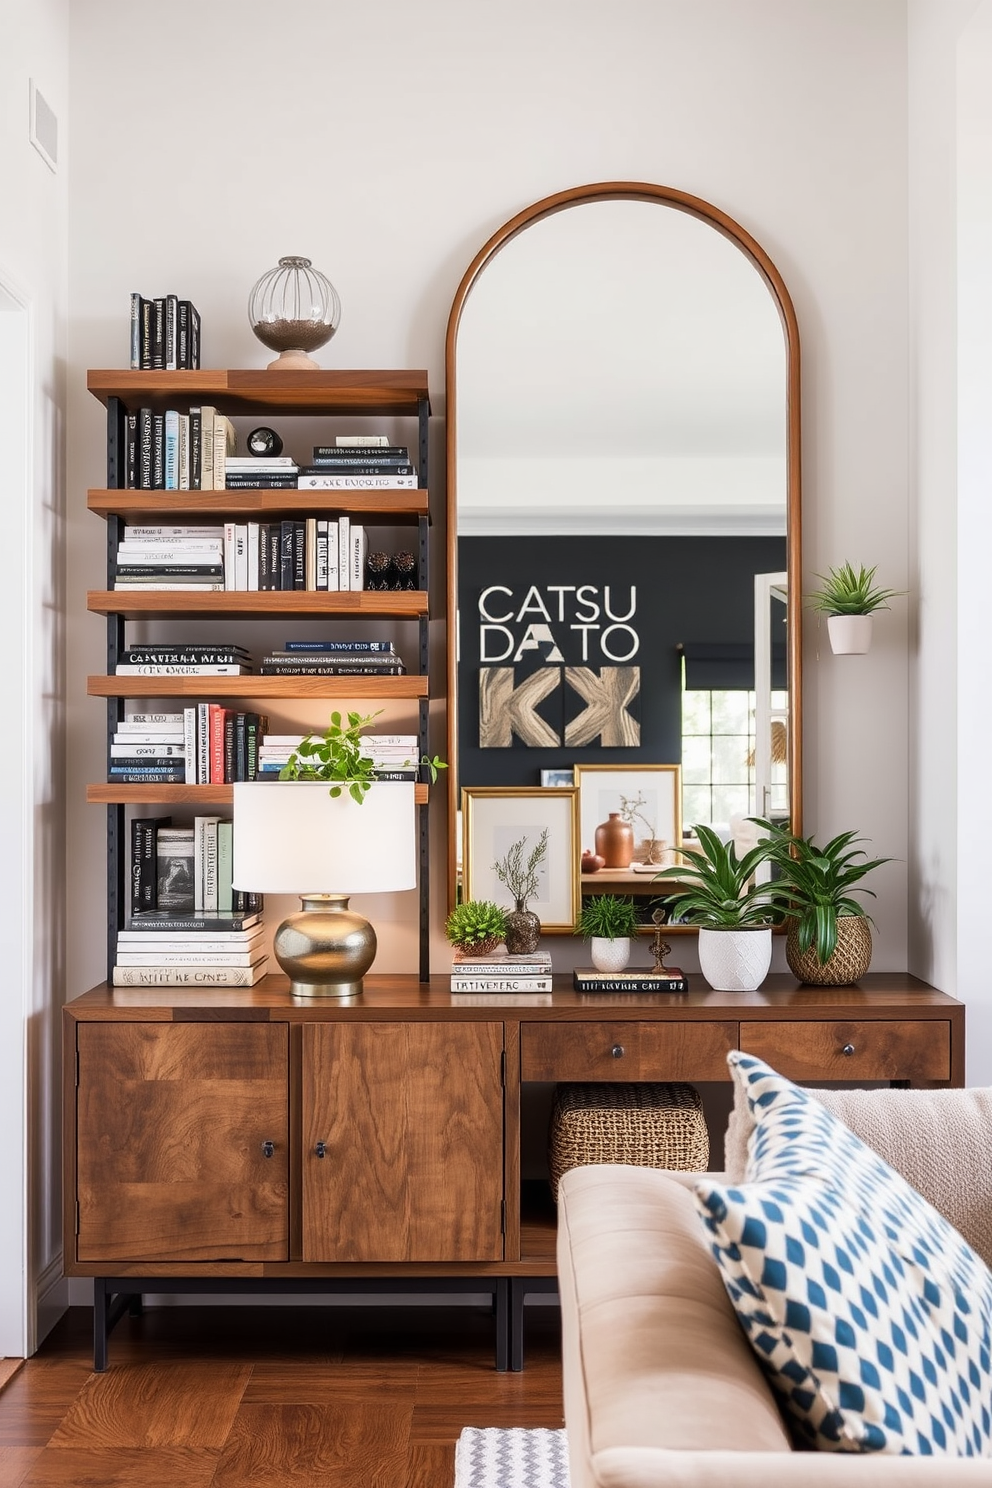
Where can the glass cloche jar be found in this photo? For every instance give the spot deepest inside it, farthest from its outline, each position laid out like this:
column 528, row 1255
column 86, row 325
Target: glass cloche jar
column 293, row 309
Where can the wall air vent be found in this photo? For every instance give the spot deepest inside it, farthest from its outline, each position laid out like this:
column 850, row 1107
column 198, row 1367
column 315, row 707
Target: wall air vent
column 43, row 127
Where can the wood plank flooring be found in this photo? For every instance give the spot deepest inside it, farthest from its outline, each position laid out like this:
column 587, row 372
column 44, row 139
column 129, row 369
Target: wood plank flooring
column 254, row 1397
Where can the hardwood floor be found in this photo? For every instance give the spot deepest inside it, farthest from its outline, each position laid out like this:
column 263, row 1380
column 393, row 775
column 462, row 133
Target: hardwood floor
column 226, row 1397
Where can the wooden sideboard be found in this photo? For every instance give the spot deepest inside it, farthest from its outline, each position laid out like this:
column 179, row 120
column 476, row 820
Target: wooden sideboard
column 231, row 1135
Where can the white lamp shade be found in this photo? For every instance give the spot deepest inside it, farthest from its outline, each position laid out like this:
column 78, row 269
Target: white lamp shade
column 294, row 837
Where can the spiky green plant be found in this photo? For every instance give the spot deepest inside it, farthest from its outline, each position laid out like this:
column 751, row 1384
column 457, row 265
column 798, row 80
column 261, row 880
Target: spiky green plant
column 813, row 884
column 336, row 756
column 607, row 917
column 477, row 925
column 844, row 592
column 714, row 888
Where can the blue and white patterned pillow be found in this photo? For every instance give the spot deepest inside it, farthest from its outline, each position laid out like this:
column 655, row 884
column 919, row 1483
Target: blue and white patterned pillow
column 869, row 1312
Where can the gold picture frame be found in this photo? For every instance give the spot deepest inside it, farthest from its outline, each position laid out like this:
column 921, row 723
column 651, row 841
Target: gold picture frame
column 494, row 817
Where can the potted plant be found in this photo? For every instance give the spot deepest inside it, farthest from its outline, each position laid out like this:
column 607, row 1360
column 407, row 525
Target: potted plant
column 519, row 874
column 608, row 921
column 849, row 598
column 336, row 755
column 714, row 889
column 476, row 927
column 829, row 933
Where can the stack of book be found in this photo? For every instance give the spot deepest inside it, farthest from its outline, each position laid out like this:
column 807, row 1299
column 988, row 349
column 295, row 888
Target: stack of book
column 170, row 558
column 165, row 334
column 632, row 979
column 260, row 472
column 347, row 466
column 148, row 749
column 499, row 975
column 175, row 451
column 184, row 870
column 333, row 659
column 394, row 755
column 177, row 948
column 318, row 553
column 186, row 659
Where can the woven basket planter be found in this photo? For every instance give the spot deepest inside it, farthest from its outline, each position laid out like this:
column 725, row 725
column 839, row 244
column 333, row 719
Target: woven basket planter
column 848, row 963
column 658, row 1125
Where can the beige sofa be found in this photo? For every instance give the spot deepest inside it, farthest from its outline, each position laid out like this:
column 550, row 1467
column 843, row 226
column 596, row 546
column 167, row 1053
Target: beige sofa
column 661, row 1386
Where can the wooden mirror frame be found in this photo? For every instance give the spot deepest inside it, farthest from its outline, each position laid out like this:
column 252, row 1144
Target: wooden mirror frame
column 705, row 212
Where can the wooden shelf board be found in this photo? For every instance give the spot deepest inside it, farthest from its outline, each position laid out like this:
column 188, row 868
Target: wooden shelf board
column 124, row 795
column 388, row 505
column 134, row 604
column 362, row 393
column 252, row 686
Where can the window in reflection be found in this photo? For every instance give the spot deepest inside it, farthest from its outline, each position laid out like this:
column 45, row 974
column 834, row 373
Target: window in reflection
column 718, row 776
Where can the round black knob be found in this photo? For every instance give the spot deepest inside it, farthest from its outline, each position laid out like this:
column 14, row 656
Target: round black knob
column 848, row 1049
column 268, row 1149
column 320, row 1149
column 617, row 1051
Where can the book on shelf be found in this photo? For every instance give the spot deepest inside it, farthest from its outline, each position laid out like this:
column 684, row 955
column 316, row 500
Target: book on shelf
column 330, row 669
column 356, row 482
column 196, row 586
column 164, row 334
column 137, row 752
column 159, row 956
column 205, row 863
column 332, row 658
column 150, row 735
column 182, row 920
column 182, row 669
column 510, row 999
column 538, row 963
column 361, row 453
column 195, row 940
column 497, row 985
column 147, row 720
column 225, row 870
column 359, row 548
column 358, row 441
column 204, row 552
column 129, row 775
column 273, row 481
column 171, row 532
column 144, row 861
column 174, row 870
column 189, row 976
column 352, row 466
column 184, row 655
column 332, row 646
column 588, row 979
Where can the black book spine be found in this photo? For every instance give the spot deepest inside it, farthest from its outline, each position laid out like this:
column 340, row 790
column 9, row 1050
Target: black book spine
column 170, row 570
column 360, row 452
column 299, row 555
column 147, row 327
column 195, row 449
column 240, row 747
column 286, row 555
column 266, row 482
column 342, row 467
column 158, row 334
column 194, row 337
column 629, row 984
column 146, row 438
column 158, row 451
column 135, row 357
column 264, row 557
column 171, row 332
column 182, row 336
column 256, row 725
column 275, row 539
column 132, row 456
column 229, row 747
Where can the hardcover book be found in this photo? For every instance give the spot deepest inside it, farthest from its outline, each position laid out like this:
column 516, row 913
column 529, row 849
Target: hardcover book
column 588, row 979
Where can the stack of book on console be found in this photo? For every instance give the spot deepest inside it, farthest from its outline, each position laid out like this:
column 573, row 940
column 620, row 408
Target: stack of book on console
column 501, row 975
column 333, row 659
column 637, row 979
column 346, row 466
column 170, row 558
column 176, row 948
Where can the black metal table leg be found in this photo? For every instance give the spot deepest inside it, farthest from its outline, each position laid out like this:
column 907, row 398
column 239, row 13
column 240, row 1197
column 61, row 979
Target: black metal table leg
column 502, row 1310
column 101, row 1332
column 518, row 1285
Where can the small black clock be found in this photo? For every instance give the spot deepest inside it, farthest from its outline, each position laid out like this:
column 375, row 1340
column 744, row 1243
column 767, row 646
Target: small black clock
column 264, row 441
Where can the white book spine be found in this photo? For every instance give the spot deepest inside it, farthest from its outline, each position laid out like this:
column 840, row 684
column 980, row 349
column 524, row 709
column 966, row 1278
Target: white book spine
column 159, row 957
column 173, row 533
column 171, row 450
column 333, row 549
column 498, row 985
column 210, row 865
column 320, row 582
column 241, row 557
column 133, row 750
column 189, row 745
column 188, row 976
column 357, row 482
column 207, row 448
column 184, row 452
column 359, row 546
column 252, row 557
column 344, row 548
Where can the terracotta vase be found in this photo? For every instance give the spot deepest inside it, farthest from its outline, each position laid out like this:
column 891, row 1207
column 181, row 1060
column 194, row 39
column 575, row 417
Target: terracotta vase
column 615, row 841
column 523, row 930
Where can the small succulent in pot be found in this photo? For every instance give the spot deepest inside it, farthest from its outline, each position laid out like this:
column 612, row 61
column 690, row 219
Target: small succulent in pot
column 478, row 926
column 607, row 917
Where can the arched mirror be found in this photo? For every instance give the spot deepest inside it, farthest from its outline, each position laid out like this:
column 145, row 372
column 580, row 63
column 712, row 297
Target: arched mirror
column 624, row 521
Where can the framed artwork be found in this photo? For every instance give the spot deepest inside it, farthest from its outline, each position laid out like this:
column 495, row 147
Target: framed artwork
column 495, row 818
column 558, row 777
column 648, row 796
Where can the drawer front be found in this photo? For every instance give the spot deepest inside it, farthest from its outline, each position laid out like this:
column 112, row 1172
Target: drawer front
column 852, row 1051
column 626, row 1051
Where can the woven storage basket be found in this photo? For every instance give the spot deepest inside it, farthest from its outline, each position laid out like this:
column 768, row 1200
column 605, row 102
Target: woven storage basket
column 848, row 963
column 658, row 1125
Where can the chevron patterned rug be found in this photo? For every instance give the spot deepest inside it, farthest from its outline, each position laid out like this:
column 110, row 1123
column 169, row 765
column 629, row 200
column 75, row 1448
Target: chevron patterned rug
column 511, row 1457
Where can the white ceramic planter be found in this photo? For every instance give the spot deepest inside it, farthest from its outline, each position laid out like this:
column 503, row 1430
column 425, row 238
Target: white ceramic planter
column 609, row 955
column 850, row 635
column 735, row 960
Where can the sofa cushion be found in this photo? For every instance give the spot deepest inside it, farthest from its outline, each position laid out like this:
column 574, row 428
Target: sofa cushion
column 939, row 1140
column 653, row 1357
column 871, row 1314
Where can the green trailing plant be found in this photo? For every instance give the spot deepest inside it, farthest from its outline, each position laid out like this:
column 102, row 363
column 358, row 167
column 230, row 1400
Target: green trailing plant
column 336, row 756
column 846, row 592
column 814, row 884
column 519, row 874
column 714, row 888
column 607, row 917
column 477, row 925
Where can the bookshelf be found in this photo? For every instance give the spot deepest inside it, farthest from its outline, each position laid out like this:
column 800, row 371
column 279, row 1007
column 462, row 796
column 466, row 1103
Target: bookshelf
column 359, row 395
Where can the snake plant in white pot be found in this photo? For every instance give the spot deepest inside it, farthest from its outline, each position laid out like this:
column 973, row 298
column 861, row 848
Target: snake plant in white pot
column 715, row 890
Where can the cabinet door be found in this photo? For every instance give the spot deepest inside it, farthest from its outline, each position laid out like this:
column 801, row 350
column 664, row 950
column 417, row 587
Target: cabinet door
column 410, row 1116
column 173, row 1122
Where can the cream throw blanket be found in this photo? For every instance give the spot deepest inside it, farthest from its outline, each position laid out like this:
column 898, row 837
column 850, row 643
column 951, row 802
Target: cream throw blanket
column 939, row 1140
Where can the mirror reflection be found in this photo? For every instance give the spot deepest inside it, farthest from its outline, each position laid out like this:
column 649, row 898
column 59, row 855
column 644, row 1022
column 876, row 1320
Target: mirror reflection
column 621, row 469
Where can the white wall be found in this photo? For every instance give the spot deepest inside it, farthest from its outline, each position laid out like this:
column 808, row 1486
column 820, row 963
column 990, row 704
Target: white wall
column 33, row 257
column 388, row 141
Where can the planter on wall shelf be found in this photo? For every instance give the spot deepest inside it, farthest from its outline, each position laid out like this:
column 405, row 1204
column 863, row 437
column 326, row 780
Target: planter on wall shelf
column 850, row 635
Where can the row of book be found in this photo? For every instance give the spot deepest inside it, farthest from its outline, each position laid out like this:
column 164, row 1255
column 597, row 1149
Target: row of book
column 179, row 948
column 205, row 744
column 318, row 553
column 185, row 870
column 173, row 451
column 165, row 334
column 393, row 756
column 333, row 468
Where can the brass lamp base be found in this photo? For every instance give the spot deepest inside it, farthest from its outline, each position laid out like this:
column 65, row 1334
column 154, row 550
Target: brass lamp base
column 326, row 949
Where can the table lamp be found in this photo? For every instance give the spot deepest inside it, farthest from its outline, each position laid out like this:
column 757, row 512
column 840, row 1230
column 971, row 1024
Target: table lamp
column 294, row 837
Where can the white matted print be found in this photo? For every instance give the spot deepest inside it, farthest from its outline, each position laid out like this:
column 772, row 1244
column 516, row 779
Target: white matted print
column 649, row 797
column 494, row 818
